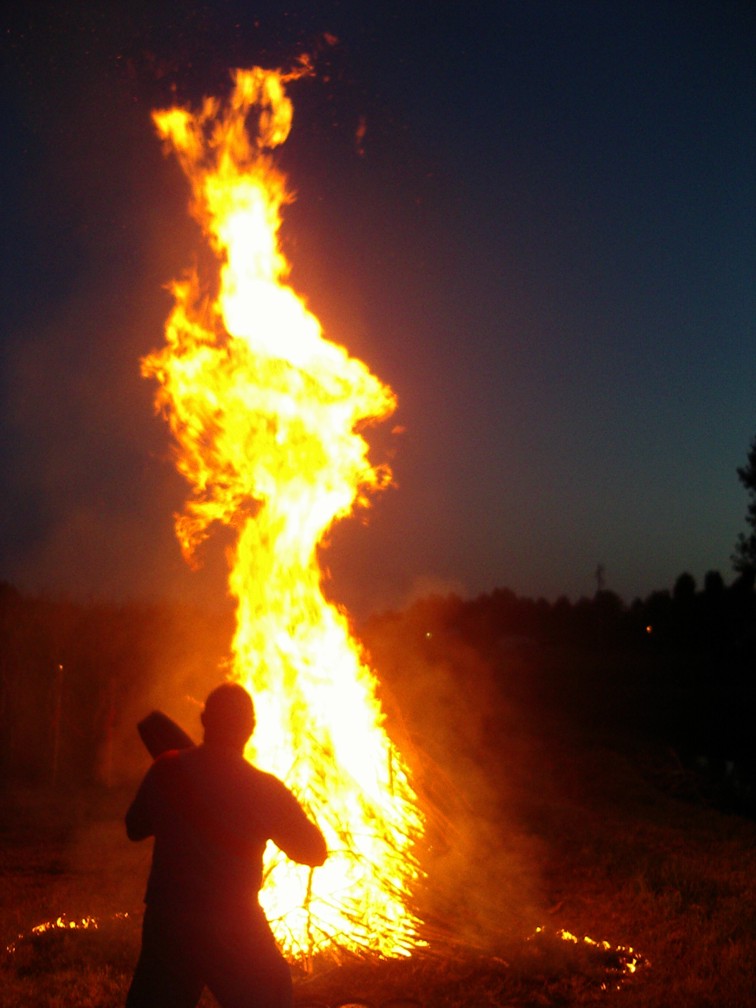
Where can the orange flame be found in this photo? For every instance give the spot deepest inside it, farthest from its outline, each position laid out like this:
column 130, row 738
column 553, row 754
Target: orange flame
column 267, row 414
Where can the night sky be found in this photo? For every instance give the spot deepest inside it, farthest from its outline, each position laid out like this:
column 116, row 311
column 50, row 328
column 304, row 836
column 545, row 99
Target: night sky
column 544, row 242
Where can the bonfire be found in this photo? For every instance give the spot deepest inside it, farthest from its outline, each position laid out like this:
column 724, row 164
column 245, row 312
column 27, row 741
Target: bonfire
column 269, row 420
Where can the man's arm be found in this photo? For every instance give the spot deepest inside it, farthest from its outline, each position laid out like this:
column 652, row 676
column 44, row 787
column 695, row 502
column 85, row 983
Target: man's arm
column 296, row 835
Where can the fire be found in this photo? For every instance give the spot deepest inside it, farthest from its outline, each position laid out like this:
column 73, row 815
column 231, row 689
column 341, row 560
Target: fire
column 59, row 925
column 621, row 961
column 267, row 416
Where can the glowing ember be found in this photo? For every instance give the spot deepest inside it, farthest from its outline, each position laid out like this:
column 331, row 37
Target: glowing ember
column 60, row 924
column 267, row 416
column 623, row 958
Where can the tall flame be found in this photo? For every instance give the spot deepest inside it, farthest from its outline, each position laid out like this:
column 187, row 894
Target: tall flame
column 267, row 414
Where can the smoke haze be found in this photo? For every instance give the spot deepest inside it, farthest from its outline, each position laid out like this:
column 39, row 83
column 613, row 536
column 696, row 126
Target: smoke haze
column 473, row 755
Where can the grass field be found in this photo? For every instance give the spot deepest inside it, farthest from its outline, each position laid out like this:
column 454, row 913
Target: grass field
column 542, row 824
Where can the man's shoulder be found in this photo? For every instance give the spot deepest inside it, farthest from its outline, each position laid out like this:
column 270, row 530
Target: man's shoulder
column 269, row 788
column 262, row 779
column 234, row 767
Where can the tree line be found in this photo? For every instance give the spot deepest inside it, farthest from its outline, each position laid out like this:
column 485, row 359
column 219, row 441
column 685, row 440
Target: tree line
column 673, row 674
column 679, row 665
column 677, row 668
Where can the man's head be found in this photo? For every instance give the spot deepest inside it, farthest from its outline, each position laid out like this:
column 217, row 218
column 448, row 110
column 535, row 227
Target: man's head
column 229, row 716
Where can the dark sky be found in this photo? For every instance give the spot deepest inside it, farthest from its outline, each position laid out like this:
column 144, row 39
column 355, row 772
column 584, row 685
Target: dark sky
column 545, row 246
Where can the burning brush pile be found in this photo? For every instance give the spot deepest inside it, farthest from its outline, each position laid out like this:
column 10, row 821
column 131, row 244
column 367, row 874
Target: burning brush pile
column 268, row 418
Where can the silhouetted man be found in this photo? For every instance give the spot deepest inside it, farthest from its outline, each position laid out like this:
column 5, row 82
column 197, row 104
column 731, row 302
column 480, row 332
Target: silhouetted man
column 211, row 814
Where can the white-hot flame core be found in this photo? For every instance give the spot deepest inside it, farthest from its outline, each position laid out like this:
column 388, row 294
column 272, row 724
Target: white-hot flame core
column 267, row 415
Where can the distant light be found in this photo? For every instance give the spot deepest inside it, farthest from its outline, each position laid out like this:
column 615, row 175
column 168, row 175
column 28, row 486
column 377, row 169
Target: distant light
column 649, row 629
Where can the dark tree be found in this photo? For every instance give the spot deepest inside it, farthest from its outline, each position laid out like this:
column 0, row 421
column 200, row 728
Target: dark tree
column 744, row 557
column 684, row 591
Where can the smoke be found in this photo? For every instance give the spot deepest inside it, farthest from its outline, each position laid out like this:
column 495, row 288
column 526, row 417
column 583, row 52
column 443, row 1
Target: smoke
column 187, row 656
column 471, row 752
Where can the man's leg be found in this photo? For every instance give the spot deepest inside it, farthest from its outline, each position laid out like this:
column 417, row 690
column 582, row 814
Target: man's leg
column 244, row 968
column 254, row 985
column 165, row 974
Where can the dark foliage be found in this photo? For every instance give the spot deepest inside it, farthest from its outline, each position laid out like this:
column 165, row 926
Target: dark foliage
column 675, row 672
column 744, row 557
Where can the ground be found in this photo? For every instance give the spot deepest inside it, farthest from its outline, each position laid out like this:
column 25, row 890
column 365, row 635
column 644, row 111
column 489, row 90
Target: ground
column 579, row 837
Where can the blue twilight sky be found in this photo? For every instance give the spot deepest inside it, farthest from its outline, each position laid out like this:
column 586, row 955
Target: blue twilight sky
column 544, row 243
